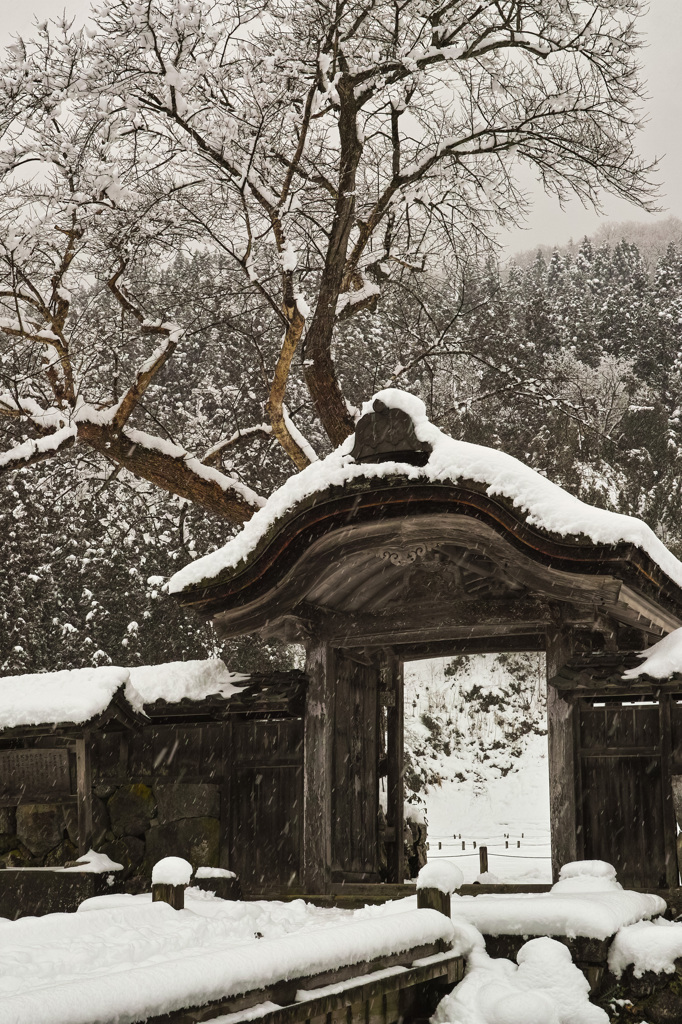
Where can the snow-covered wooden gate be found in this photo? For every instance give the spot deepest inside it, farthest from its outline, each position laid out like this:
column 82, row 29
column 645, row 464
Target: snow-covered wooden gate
column 406, row 544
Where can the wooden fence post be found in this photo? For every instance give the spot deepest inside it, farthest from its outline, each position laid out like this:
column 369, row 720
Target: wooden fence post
column 483, row 859
column 173, row 895
column 434, row 899
column 170, row 878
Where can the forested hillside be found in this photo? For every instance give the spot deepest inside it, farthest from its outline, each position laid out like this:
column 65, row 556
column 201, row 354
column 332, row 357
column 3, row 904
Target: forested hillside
column 470, row 719
column 570, row 361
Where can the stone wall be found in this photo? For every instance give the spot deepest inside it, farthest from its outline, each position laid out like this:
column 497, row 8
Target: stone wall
column 38, row 834
column 135, row 824
column 140, row 824
column 653, row 998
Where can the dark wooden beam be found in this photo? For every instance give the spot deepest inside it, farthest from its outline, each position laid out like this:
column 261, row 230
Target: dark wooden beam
column 391, row 635
column 457, row 619
column 669, row 819
column 84, row 779
column 475, row 645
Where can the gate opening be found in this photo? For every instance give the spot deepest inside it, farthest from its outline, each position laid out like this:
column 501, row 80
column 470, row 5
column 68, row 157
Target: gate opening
column 476, row 762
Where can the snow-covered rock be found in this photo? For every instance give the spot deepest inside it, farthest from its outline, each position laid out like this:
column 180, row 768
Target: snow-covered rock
column 545, row 988
column 587, row 869
column 648, row 946
column 587, row 876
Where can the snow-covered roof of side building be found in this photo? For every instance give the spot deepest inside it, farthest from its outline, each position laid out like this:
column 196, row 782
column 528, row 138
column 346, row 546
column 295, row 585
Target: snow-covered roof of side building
column 75, row 696
column 543, row 504
column 658, row 667
column 660, row 661
column 48, row 698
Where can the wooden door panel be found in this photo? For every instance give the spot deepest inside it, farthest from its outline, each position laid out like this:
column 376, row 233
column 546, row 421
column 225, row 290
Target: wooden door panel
column 267, row 812
column 355, row 770
column 623, row 817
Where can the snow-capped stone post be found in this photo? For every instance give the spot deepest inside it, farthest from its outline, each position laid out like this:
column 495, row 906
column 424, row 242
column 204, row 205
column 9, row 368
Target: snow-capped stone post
column 170, row 878
column 435, row 883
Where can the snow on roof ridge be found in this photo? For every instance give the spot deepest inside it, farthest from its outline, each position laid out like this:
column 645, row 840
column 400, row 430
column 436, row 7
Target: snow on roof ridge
column 545, row 504
column 79, row 694
column 193, row 680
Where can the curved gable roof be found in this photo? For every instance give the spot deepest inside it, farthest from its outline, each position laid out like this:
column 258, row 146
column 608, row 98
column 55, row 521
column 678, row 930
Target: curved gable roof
column 322, row 530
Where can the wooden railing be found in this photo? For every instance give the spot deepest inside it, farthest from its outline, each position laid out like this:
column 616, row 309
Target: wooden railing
column 364, row 991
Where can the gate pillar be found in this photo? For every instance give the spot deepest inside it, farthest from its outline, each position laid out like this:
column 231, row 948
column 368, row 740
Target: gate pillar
column 318, row 747
column 563, row 811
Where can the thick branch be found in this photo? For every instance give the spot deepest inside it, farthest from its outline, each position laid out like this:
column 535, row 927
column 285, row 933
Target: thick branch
column 173, row 470
column 320, row 372
column 275, row 406
column 162, row 463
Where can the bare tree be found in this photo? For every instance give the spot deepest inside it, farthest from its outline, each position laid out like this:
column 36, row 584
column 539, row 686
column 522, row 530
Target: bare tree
column 324, row 147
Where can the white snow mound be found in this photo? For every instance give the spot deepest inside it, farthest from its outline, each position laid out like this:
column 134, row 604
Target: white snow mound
column 440, row 874
column 648, row 946
column 126, row 959
column 207, row 872
column 593, row 912
column 592, row 868
column 662, row 660
column 545, row 988
column 171, row 871
column 95, row 863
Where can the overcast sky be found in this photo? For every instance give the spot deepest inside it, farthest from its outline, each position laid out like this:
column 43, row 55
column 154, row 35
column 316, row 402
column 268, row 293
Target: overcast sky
column 547, row 224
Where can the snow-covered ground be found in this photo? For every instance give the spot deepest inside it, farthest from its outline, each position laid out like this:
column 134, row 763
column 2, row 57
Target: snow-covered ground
column 477, row 741
column 123, row 958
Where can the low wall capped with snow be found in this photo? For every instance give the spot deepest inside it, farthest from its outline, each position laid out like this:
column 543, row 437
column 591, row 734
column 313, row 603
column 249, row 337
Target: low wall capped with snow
column 76, row 696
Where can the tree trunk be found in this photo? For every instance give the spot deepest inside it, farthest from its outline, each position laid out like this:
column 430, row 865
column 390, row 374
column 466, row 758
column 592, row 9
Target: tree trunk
column 320, row 372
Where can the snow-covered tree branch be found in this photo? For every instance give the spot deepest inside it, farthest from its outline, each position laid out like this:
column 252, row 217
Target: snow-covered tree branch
column 326, row 149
